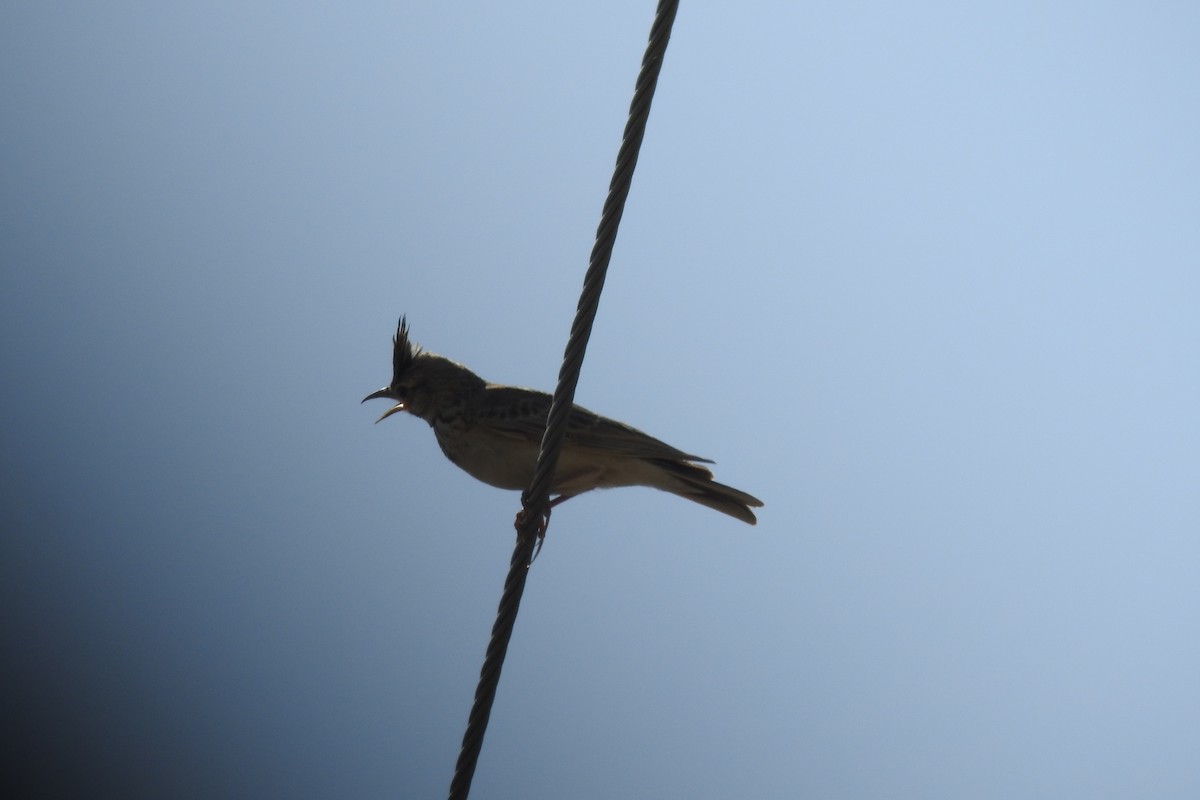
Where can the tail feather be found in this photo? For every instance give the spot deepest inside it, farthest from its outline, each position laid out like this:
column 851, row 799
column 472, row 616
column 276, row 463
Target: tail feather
column 696, row 484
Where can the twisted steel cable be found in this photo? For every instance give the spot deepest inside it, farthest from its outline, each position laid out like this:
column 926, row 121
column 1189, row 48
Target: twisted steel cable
column 536, row 500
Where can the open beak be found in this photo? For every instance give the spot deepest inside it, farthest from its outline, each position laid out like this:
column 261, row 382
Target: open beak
column 385, row 392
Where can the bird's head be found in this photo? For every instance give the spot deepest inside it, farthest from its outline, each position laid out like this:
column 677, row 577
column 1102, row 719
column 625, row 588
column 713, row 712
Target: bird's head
column 421, row 381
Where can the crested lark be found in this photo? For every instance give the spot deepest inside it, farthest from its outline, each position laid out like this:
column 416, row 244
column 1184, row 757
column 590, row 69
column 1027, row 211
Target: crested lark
column 494, row 433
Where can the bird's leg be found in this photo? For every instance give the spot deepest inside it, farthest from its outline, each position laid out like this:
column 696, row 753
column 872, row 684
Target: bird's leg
column 519, row 522
column 562, row 498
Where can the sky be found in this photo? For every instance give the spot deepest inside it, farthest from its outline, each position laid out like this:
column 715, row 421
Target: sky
column 923, row 277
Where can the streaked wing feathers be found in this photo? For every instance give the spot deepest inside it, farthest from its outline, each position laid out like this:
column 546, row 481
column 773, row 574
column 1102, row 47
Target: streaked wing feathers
column 523, row 412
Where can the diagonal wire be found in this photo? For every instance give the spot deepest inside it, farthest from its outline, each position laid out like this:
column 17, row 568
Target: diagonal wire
column 536, row 500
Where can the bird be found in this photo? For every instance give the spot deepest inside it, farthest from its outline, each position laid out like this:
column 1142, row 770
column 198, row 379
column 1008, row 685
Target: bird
column 494, row 433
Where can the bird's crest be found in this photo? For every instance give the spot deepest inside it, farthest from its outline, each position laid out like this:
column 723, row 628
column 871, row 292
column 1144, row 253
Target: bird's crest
column 404, row 352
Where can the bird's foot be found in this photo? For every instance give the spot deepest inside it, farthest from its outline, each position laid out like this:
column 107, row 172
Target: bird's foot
column 540, row 532
column 519, row 522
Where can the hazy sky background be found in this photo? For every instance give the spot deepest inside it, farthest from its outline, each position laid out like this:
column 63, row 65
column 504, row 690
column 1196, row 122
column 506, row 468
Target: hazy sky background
column 923, row 277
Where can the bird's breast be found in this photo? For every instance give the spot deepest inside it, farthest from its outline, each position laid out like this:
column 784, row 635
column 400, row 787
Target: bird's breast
column 496, row 459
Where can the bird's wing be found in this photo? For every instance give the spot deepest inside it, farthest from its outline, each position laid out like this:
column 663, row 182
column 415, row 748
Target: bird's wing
column 523, row 412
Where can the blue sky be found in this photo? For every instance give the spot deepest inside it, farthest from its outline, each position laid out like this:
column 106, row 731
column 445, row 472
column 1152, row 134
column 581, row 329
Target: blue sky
column 924, row 278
